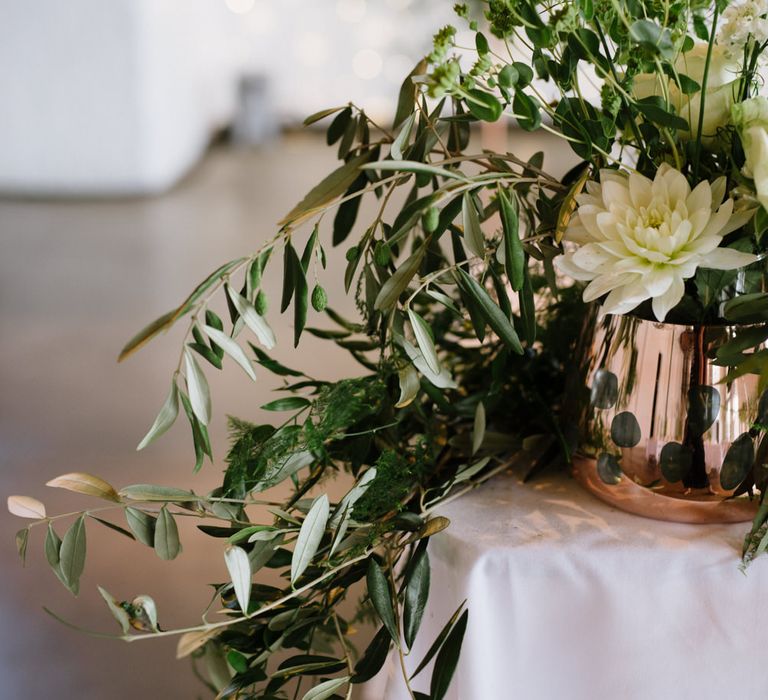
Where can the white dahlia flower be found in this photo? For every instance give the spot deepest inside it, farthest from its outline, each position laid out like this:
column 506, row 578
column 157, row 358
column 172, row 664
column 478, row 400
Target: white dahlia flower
column 639, row 239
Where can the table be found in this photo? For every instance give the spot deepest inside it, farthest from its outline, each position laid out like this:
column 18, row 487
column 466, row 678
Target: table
column 572, row 599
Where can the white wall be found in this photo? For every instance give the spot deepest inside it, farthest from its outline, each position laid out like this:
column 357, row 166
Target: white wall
column 109, row 96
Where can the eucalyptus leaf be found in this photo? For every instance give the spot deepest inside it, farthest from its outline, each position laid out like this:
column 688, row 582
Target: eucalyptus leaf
column 737, row 462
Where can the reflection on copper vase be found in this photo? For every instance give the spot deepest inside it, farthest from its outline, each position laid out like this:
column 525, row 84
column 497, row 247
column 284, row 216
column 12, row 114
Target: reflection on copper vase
column 663, row 435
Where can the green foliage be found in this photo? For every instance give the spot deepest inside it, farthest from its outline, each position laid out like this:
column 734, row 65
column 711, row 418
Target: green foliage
column 463, row 335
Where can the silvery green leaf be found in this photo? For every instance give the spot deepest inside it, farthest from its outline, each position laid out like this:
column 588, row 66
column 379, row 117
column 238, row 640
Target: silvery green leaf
column 473, row 234
column 292, row 464
column 142, row 525
column 338, row 538
column 72, row 555
column 266, row 535
column 409, row 166
column 392, row 289
column 478, row 433
column 232, row 349
column 310, row 535
column 150, row 492
column 402, row 137
column 87, row 484
column 444, row 299
column 409, row 385
column 424, row 339
column 471, row 470
column 442, row 380
column 324, row 690
column 199, row 393
column 353, row 495
column 253, row 320
column 116, row 609
column 145, row 613
column 166, row 542
column 165, row 419
column 26, row 507
column 262, row 552
column 239, row 568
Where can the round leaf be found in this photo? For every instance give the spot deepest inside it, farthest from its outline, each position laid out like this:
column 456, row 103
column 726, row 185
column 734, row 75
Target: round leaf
column 625, row 430
column 608, row 468
column 737, row 463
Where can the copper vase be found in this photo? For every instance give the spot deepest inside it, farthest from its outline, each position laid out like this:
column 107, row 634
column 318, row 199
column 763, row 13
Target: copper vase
column 663, row 434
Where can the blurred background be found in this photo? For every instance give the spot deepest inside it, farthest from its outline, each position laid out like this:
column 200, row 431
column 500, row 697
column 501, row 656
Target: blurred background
column 143, row 143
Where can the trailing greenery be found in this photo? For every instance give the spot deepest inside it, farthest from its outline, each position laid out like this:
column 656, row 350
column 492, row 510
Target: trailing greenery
column 464, row 336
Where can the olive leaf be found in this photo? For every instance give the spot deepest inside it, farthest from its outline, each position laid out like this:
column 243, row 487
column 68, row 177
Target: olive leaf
column 310, row 535
column 199, row 393
column 239, row 568
column 165, row 419
column 87, row 484
column 72, row 555
column 26, row 507
column 166, row 542
column 232, row 349
column 381, row 597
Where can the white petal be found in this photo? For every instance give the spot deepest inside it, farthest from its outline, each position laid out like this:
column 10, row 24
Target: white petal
column 727, row 259
column 606, row 283
column 658, row 280
column 639, row 190
column 700, row 198
column 615, row 192
column 664, row 302
column 719, row 220
column 592, row 257
column 623, row 299
column 718, row 191
column 565, row 264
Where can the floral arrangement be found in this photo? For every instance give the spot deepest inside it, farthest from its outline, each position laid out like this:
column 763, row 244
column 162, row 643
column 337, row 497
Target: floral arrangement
column 466, row 327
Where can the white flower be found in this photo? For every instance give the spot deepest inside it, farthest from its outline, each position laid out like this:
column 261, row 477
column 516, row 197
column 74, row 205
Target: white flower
column 639, row 238
column 722, row 84
column 743, row 22
column 751, row 119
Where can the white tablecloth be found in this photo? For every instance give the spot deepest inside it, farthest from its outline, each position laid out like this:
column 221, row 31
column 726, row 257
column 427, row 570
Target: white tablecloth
column 570, row 599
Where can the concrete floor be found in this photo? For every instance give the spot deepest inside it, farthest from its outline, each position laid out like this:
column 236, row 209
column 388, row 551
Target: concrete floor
column 77, row 278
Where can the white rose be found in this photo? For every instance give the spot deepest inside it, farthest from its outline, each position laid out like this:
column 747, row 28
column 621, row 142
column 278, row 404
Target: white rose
column 751, row 119
column 722, row 86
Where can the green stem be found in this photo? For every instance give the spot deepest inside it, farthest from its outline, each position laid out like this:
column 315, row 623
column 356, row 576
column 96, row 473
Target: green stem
column 702, row 99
